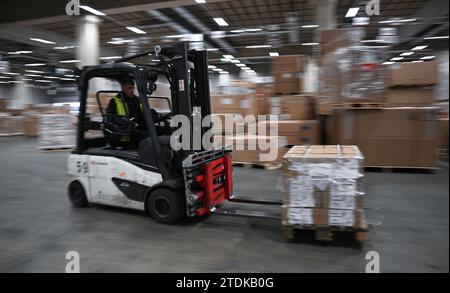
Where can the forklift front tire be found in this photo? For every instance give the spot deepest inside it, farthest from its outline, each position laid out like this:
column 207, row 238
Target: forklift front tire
column 165, row 205
column 77, row 194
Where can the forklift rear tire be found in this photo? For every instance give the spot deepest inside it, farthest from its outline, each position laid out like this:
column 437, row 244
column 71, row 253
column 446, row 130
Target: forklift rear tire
column 77, row 194
column 165, row 205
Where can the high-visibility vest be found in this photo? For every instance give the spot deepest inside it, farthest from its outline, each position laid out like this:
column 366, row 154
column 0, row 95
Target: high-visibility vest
column 122, row 110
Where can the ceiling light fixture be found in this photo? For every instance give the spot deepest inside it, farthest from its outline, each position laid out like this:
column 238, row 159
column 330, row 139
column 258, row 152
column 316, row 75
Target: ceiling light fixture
column 274, row 54
column 42, row 41
column 220, row 21
column 418, row 48
column 352, row 12
column 136, row 30
column 258, row 46
column 92, row 10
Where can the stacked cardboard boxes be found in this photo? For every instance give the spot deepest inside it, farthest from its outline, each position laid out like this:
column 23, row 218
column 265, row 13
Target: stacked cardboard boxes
column 388, row 137
column 288, row 74
column 242, row 104
column 411, row 84
column 296, row 132
column 10, row 125
column 323, row 186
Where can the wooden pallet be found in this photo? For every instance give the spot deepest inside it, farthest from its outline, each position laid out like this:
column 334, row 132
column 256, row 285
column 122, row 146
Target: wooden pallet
column 266, row 166
column 396, row 169
column 62, row 148
column 360, row 105
column 325, row 233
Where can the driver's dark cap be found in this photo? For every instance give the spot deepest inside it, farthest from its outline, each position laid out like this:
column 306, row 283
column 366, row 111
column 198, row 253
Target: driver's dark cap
column 127, row 80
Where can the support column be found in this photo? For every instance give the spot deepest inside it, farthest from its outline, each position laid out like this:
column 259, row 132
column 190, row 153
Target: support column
column 325, row 14
column 88, row 50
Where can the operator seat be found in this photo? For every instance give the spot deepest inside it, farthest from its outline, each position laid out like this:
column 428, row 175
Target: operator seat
column 146, row 151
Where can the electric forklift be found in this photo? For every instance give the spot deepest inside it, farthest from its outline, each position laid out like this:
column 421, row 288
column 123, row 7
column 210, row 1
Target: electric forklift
column 167, row 184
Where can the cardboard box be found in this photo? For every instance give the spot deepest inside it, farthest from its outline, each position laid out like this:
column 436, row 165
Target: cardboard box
column 296, row 132
column 296, row 107
column 443, row 133
column 409, row 96
column 333, row 39
column 413, row 74
column 389, row 137
column 238, row 104
column 11, row 125
column 31, row 125
column 3, row 104
column 288, row 83
column 288, row 64
column 322, row 217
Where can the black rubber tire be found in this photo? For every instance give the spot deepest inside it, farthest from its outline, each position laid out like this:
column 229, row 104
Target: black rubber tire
column 165, row 205
column 77, row 195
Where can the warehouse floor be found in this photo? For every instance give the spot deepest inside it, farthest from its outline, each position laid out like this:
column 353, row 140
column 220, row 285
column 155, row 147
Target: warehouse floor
column 38, row 226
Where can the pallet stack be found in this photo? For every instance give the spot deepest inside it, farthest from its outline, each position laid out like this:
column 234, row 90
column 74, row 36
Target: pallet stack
column 323, row 191
column 57, row 131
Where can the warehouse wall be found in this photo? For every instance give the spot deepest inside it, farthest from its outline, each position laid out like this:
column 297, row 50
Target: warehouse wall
column 19, row 95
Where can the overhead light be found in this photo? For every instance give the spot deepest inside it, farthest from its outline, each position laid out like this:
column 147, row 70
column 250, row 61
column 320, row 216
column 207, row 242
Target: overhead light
column 42, row 41
column 200, row 1
column 51, row 77
column 397, row 58
column 352, row 12
column 241, row 65
column 235, row 61
column 258, row 46
column 136, row 30
column 32, row 75
column 417, row 61
column 407, row 54
column 15, row 81
column 253, row 29
column 69, row 75
column 211, row 66
column 212, row 49
column 436, row 38
column 11, row 73
column 5, row 77
column 428, row 57
column 92, row 10
column 310, row 44
column 43, row 80
column 119, row 42
column 35, row 64
column 387, row 21
column 225, row 60
column 68, row 79
column 418, row 48
column 220, row 21
column 217, row 69
column 371, row 41
column 4, row 82
column 64, row 47
column 24, row 52
column 223, row 72
column 110, row 57
column 407, row 20
column 34, row 71
column 274, row 54
column 388, row 63
column 361, row 21
column 310, row 26
column 237, row 31
column 70, row 61
column 245, row 68
column 228, row 56
column 156, row 60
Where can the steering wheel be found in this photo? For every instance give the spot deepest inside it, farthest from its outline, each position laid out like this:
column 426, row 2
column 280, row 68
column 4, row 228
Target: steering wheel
column 120, row 125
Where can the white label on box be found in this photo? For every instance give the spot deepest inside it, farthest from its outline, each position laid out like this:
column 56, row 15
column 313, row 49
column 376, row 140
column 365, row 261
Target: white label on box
column 246, row 104
column 300, row 216
column 286, row 75
column 302, row 200
column 344, row 202
column 344, row 218
column 344, row 187
column 225, row 101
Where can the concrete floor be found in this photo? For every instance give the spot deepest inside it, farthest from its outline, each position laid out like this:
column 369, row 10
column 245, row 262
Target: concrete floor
column 38, row 226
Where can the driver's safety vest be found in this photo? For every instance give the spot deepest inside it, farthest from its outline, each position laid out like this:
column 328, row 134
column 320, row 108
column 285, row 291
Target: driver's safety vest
column 122, row 111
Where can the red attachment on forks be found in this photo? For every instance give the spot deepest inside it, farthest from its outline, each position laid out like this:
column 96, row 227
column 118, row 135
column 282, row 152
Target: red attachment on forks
column 217, row 180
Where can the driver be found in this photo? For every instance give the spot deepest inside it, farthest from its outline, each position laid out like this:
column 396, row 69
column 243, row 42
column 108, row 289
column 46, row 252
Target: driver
column 125, row 111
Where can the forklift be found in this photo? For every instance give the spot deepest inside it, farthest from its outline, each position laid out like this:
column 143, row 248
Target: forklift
column 167, row 184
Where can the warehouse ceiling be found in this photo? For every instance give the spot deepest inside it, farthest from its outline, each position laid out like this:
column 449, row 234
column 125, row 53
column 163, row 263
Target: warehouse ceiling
column 278, row 23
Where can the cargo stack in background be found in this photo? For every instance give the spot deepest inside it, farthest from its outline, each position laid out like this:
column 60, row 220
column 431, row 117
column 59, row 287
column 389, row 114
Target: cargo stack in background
column 411, row 84
column 288, row 73
column 57, row 131
column 323, row 187
column 11, row 125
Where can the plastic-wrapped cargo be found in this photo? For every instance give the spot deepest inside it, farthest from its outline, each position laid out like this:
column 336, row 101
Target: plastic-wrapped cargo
column 353, row 74
column 57, row 131
column 323, row 186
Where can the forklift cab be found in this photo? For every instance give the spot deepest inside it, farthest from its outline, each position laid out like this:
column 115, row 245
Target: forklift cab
column 167, row 183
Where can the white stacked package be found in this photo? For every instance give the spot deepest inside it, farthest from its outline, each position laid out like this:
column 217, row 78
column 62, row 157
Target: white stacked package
column 57, row 130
